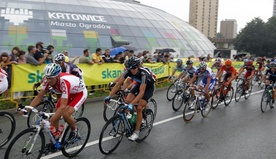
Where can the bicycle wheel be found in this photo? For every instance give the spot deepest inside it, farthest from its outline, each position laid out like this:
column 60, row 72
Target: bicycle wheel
column 75, row 147
column 265, row 101
column 146, row 125
column 246, row 96
column 207, row 109
column 216, row 98
column 238, row 93
column 189, row 109
column 47, row 106
column 229, row 96
column 153, row 106
column 171, row 92
column 7, row 127
column 178, row 100
column 79, row 112
column 254, row 80
column 111, row 135
column 110, row 108
column 21, row 144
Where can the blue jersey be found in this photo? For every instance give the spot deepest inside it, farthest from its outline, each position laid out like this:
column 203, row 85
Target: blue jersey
column 72, row 69
column 208, row 73
column 190, row 71
column 180, row 68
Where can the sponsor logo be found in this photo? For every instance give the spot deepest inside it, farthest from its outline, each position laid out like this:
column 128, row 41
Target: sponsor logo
column 35, row 77
column 111, row 73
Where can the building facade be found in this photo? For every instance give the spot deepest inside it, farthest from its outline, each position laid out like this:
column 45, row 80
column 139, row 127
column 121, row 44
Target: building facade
column 229, row 28
column 76, row 25
column 204, row 15
column 274, row 8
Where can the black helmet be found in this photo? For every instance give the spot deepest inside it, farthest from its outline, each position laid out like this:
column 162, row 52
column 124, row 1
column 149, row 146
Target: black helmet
column 272, row 64
column 133, row 62
column 189, row 62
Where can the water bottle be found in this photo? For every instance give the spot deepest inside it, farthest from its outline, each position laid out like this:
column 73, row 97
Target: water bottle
column 60, row 130
column 201, row 100
column 129, row 115
column 54, row 131
column 270, row 93
column 133, row 118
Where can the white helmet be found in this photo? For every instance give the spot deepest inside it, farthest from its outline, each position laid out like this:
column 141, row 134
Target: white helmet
column 59, row 57
column 203, row 64
column 52, row 70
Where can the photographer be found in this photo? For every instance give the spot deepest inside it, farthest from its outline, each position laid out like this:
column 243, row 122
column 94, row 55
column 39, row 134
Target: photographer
column 40, row 54
column 50, row 58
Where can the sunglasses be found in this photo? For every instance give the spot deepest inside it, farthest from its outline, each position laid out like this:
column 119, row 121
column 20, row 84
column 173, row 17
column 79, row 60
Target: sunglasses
column 132, row 68
column 49, row 77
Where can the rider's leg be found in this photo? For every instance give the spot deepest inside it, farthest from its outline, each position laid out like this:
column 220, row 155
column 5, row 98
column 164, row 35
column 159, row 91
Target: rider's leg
column 67, row 115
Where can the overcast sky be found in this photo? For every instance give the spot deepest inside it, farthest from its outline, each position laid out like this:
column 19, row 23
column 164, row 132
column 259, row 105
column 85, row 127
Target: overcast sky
column 241, row 10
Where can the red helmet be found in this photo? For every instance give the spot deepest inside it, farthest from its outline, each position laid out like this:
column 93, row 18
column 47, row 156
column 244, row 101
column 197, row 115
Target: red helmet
column 228, row 62
column 250, row 63
column 259, row 59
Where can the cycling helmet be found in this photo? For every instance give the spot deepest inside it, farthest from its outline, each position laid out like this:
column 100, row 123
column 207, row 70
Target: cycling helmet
column 268, row 61
column 250, row 63
column 218, row 60
column 189, row 62
column 273, row 64
column 179, row 61
column 228, row 62
column 245, row 60
column 59, row 57
column 133, row 62
column 202, row 64
column 274, row 61
column 52, row 70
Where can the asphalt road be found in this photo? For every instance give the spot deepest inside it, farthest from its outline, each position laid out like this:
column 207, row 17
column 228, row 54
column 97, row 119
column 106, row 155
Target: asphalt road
column 238, row 131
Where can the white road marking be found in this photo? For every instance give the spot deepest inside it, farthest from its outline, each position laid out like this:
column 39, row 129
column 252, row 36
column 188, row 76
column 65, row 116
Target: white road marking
column 109, row 138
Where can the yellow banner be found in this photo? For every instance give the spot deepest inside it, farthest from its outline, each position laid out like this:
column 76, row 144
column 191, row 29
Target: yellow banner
column 159, row 69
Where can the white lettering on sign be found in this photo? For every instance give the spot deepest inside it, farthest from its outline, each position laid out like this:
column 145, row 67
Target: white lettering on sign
column 69, row 16
column 81, row 25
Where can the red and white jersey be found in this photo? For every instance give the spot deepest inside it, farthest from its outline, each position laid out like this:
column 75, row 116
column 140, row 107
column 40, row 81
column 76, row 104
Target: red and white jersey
column 3, row 74
column 66, row 85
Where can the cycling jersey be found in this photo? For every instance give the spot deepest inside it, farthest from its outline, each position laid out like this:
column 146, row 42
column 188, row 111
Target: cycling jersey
column 229, row 71
column 271, row 75
column 180, row 68
column 72, row 69
column 261, row 64
column 142, row 77
column 3, row 81
column 249, row 70
column 204, row 76
column 267, row 65
column 216, row 65
column 190, row 72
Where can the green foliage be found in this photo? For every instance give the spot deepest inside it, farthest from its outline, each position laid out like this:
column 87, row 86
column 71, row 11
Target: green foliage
column 258, row 37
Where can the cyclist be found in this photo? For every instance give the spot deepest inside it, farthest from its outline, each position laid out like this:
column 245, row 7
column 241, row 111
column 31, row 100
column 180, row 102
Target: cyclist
column 188, row 71
column 207, row 82
column 3, row 81
column 230, row 73
column 73, row 94
column 66, row 67
column 250, row 70
column 260, row 62
column 267, row 65
column 217, row 64
column 179, row 67
column 271, row 73
column 140, row 93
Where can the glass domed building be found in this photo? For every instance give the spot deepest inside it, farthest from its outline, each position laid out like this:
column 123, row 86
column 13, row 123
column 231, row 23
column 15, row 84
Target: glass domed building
column 74, row 25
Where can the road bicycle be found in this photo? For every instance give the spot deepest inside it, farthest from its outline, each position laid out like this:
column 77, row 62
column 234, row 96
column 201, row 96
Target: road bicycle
column 196, row 103
column 119, row 126
column 241, row 88
column 30, row 143
column 173, row 88
column 181, row 97
column 266, row 101
column 48, row 105
column 7, row 127
column 222, row 93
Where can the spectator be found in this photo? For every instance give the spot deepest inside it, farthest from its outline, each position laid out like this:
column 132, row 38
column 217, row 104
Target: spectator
column 155, row 57
column 208, row 58
column 65, row 52
column 117, row 57
column 97, row 57
column 149, row 59
column 39, row 52
column 11, row 60
column 20, row 60
column 140, row 55
column 131, row 54
column 5, row 65
column 50, row 57
column 86, row 58
column 126, row 55
column 167, row 58
column 106, row 56
column 31, row 59
column 122, row 57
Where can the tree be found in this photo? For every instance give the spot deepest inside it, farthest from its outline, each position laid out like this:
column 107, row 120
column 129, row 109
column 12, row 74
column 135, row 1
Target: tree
column 252, row 38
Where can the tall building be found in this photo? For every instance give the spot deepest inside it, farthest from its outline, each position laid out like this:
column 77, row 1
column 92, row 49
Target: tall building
column 204, row 16
column 228, row 28
column 274, row 8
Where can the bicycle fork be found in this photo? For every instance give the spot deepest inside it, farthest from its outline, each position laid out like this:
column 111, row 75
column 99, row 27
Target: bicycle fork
column 31, row 141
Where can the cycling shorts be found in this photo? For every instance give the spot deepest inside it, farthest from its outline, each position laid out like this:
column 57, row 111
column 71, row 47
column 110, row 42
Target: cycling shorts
column 148, row 92
column 75, row 100
column 3, row 85
column 247, row 74
column 227, row 76
column 203, row 83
